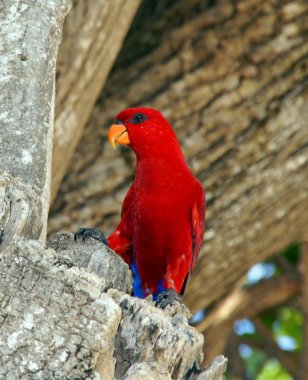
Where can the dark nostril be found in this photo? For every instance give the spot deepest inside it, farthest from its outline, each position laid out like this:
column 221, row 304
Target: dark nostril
column 119, row 122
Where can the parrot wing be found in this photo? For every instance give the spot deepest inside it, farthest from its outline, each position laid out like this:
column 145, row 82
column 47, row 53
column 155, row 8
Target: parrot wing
column 119, row 240
column 128, row 200
column 197, row 230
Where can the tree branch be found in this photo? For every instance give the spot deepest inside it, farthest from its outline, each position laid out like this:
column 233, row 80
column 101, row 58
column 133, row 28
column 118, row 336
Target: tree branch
column 236, row 368
column 27, row 80
column 244, row 303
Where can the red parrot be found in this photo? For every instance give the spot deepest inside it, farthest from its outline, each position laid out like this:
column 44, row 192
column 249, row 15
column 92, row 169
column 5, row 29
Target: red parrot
column 163, row 214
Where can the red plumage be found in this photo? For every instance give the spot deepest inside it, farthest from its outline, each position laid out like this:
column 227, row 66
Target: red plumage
column 163, row 214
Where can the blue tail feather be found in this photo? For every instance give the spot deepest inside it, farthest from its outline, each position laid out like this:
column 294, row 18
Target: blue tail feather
column 137, row 284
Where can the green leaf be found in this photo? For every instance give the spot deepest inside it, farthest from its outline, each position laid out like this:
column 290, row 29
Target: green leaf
column 273, row 370
column 289, row 323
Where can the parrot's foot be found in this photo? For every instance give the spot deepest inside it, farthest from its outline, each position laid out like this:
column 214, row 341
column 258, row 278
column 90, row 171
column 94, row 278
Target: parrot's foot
column 86, row 233
column 167, row 297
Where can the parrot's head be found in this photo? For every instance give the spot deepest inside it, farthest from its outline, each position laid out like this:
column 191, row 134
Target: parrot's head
column 145, row 130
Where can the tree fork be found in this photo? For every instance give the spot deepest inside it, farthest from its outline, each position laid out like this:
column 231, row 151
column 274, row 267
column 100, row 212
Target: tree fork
column 56, row 319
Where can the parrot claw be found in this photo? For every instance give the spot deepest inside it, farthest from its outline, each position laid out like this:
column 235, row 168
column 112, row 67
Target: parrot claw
column 86, row 233
column 167, row 297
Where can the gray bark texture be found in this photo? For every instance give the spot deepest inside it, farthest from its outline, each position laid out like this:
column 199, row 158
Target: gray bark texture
column 149, row 334
column 27, row 83
column 58, row 322
column 64, row 313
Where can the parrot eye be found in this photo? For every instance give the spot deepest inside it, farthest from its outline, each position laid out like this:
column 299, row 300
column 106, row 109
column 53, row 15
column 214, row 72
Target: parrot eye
column 138, row 118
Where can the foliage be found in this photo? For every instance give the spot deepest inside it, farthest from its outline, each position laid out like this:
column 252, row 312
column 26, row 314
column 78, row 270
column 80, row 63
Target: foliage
column 273, row 370
column 285, row 322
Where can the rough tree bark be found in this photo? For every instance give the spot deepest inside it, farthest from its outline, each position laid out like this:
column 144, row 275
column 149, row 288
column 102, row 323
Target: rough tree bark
column 232, row 79
column 27, row 101
column 57, row 320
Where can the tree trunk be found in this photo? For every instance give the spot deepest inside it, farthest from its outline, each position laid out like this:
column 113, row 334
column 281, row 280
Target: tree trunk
column 232, row 79
column 27, row 80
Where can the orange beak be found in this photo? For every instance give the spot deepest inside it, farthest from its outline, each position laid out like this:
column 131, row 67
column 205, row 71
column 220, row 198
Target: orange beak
column 118, row 134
